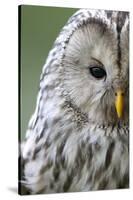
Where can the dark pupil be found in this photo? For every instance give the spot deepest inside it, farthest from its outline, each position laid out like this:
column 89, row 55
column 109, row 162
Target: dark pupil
column 97, row 72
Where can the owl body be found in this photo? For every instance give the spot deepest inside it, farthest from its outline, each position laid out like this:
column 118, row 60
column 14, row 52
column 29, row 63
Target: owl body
column 76, row 140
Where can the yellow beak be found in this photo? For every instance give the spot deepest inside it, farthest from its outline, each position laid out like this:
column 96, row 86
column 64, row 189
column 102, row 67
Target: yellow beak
column 119, row 103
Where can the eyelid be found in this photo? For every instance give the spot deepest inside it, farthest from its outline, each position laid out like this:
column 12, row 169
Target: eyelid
column 99, row 63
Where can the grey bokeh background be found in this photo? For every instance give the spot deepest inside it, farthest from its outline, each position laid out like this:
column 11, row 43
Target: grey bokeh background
column 39, row 28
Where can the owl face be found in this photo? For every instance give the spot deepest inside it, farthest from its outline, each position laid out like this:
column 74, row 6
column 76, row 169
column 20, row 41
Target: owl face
column 95, row 71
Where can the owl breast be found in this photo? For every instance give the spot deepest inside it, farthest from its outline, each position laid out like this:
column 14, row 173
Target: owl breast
column 93, row 158
column 100, row 159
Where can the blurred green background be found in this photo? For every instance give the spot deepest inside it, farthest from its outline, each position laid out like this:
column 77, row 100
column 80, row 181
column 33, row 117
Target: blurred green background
column 39, row 28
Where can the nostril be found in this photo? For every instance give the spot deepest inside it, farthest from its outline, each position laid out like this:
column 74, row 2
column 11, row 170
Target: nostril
column 121, row 93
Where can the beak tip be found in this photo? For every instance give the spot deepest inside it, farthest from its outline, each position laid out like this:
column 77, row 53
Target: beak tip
column 119, row 115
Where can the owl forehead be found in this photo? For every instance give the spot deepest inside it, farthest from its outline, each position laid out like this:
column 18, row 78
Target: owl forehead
column 115, row 21
column 94, row 40
column 112, row 25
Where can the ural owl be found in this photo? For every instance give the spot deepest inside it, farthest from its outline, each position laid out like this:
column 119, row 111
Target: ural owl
column 77, row 139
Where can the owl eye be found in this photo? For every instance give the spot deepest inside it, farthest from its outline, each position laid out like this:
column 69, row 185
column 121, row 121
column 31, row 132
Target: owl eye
column 97, row 72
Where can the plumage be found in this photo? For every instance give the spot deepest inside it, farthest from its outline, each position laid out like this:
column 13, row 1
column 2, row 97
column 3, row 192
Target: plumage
column 76, row 140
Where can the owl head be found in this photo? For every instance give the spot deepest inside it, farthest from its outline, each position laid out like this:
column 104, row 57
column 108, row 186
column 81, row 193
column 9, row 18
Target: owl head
column 89, row 64
column 95, row 67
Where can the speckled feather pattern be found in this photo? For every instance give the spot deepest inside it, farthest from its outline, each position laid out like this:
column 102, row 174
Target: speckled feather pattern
column 75, row 142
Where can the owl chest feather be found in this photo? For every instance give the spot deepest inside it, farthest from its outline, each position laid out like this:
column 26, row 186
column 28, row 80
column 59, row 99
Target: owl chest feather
column 97, row 159
column 91, row 158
